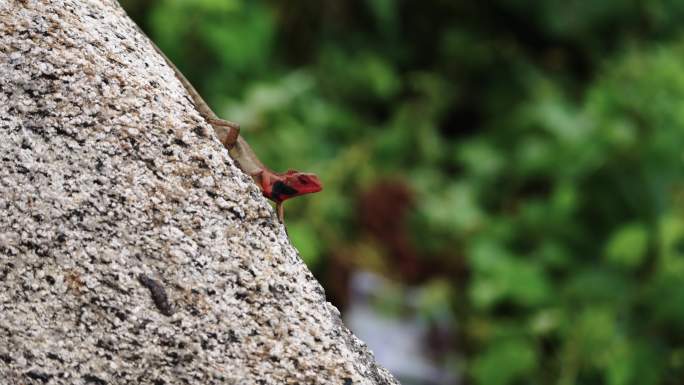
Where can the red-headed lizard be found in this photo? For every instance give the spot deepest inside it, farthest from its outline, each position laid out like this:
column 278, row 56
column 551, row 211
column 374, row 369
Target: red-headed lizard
column 277, row 187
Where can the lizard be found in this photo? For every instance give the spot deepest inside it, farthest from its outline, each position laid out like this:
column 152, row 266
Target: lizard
column 275, row 186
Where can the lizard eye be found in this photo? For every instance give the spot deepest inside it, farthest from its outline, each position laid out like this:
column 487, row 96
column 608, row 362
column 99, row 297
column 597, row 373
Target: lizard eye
column 303, row 180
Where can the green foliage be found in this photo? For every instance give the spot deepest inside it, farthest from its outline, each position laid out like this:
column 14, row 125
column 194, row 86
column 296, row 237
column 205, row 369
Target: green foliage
column 541, row 145
column 504, row 362
column 628, row 246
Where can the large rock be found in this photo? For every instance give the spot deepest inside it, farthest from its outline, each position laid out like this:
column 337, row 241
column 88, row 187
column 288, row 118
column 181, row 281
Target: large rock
column 108, row 175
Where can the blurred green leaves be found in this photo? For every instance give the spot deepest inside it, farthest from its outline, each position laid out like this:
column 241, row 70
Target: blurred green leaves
column 540, row 147
column 627, row 246
column 500, row 276
column 505, row 362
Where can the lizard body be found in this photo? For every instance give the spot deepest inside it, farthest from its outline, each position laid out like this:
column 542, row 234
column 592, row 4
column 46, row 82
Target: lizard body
column 277, row 187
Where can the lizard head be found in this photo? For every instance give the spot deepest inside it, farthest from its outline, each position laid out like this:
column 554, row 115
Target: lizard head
column 291, row 184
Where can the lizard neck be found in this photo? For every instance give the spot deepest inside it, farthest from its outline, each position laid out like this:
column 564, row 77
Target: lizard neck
column 265, row 179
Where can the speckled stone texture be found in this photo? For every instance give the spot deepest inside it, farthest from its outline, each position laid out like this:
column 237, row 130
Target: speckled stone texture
column 108, row 173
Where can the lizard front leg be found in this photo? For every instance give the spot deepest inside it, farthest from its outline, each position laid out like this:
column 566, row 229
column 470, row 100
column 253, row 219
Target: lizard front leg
column 267, row 180
column 281, row 212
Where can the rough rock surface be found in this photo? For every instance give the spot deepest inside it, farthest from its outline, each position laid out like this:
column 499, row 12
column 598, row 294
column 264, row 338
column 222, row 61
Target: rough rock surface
column 108, row 173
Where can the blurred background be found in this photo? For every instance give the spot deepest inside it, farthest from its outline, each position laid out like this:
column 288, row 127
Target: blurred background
column 504, row 179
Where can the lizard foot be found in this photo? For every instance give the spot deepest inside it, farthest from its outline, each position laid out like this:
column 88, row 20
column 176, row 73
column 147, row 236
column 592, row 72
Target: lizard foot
column 232, row 129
